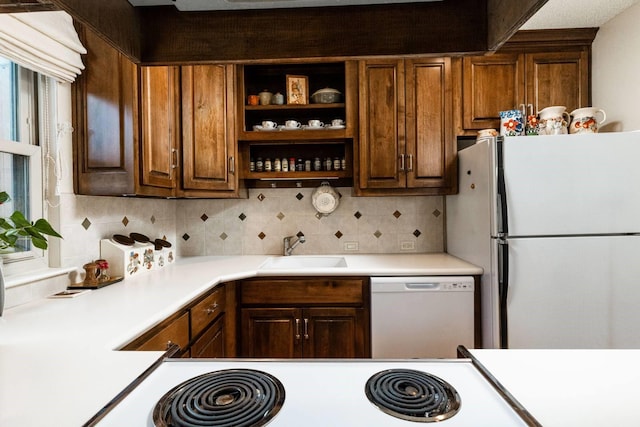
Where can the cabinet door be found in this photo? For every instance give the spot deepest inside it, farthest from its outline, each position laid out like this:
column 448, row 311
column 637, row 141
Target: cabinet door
column 159, row 90
column 430, row 157
column 209, row 158
column 334, row 333
column 105, row 122
column 558, row 78
column 211, row 343
column 491, row 84
column 271, row 332
column 382, row 127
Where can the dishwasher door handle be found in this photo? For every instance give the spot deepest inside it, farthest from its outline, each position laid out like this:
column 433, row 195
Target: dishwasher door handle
column 425, row 286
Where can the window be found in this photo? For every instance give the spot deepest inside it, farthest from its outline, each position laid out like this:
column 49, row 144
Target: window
column 23, row 101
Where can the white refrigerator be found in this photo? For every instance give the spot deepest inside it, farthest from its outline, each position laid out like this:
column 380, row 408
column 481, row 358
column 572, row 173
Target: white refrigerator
column 555, row 223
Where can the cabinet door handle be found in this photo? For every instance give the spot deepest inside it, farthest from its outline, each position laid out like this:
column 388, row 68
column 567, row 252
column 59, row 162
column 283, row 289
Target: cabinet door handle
column 212, row 308
column 232, row 165
column 306, row 329
column 410, row 167
column 297, row 328
column 401, row 161
column 174, row 158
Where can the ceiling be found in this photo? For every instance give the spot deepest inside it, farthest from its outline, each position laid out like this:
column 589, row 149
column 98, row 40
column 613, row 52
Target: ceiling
column 195, row 5
column 576, row 13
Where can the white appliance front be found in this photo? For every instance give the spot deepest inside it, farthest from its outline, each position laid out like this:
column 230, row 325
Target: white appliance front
column 325, row 393
column 573, row 292
column 572, row 184
column 421, row 317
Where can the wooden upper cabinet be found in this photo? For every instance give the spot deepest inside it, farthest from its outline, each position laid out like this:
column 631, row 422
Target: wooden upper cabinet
column 160, row 129
column 491, row 84
column 533, row 70
column 557, row 78
column 105, row 120
column 209, row 148
column 406, row 127
column 382, row 131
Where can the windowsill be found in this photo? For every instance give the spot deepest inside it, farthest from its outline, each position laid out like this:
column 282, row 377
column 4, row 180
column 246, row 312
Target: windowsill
column 34, row 276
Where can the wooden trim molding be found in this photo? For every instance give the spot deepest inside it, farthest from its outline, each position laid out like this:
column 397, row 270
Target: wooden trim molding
column 10, row 6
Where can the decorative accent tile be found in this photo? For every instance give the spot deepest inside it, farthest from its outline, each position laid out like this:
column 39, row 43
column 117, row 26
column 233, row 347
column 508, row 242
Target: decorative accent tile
column 299, row 196
column 152, row 219
column 262, row 235
column 204, row 217
column 358, row 215
column 223, row 236
column 338, row 234
column 86, row 223
column 125, row 221
column 261, row 197
column 417, row 233
column 185, row 237
column 436, row 213
column 377, row 234
column 397, row 214
column 319, row 216
column 280, row 216
column 242, row 217
column 299, row 234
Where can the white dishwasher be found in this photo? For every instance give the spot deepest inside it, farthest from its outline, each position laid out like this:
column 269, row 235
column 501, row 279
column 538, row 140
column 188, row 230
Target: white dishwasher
column 421, row 317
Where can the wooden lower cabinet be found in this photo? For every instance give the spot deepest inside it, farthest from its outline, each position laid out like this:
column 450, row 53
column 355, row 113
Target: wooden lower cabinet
column 200, row 329
column 304, row 318
column 211, row 343
column 174, row 330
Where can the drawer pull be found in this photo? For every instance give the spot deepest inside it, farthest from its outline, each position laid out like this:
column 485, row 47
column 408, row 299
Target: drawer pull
column 212, row 308
column 306, row 329
column 297, row 329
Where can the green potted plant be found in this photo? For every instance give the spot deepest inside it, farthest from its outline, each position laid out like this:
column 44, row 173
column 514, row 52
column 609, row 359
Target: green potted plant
column 15, row 227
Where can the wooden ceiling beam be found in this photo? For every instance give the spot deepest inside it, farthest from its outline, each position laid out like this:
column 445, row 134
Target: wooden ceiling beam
column 11, row 6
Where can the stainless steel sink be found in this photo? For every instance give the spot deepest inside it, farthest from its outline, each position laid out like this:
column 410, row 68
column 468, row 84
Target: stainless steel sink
column 303, row 261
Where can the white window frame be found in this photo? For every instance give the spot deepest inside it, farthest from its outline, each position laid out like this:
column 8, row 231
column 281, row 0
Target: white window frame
column 34, row 259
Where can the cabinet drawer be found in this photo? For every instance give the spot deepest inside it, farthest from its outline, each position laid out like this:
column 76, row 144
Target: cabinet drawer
column 207, row 310
column 303, row 290
column 176, row 331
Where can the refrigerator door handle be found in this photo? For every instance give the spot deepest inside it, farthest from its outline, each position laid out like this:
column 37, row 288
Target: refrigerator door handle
column 503, row 223
column 503, row 290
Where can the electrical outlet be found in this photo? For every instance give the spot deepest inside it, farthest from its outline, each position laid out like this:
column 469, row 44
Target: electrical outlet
column 350, row 246
column 407, row 245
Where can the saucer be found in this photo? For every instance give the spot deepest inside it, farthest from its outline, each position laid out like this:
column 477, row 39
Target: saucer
column 261, row 129
column 307, row 127
column 290, row 128
column 335, row 127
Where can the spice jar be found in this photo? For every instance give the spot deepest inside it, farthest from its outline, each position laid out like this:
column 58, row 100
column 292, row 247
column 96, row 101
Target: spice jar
column 265, row 97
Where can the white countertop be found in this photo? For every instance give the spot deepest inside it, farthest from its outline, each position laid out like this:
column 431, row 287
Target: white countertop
column 563, row 388
column 61, row 351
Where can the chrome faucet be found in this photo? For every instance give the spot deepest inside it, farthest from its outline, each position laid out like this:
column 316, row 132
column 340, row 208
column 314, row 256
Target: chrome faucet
column 289, row 246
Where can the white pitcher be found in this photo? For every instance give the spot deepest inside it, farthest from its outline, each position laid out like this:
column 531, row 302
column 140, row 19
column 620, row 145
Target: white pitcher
column 553, row 120
column 585, row 120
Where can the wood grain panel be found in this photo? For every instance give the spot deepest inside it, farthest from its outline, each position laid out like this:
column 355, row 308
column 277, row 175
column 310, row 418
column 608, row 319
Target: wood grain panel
column 170, row 36
column 105, row 120
column 382, row 135
column 491, row 84
column 504, row 17
column 429, row 121
column 558, row 79
column 209, row 149
column 159, row 90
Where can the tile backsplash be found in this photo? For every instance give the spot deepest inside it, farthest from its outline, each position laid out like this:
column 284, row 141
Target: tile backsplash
column 255, row 225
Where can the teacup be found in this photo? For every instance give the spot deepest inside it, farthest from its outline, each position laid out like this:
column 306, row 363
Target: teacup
column 585, row 120
column 315, row 124
column 337, row 122
column 268, row 124
column 292, row 124
column 553, row 120
column 511, row 123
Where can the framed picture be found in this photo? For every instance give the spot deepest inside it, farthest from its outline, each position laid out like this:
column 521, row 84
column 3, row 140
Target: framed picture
column 297, row 89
